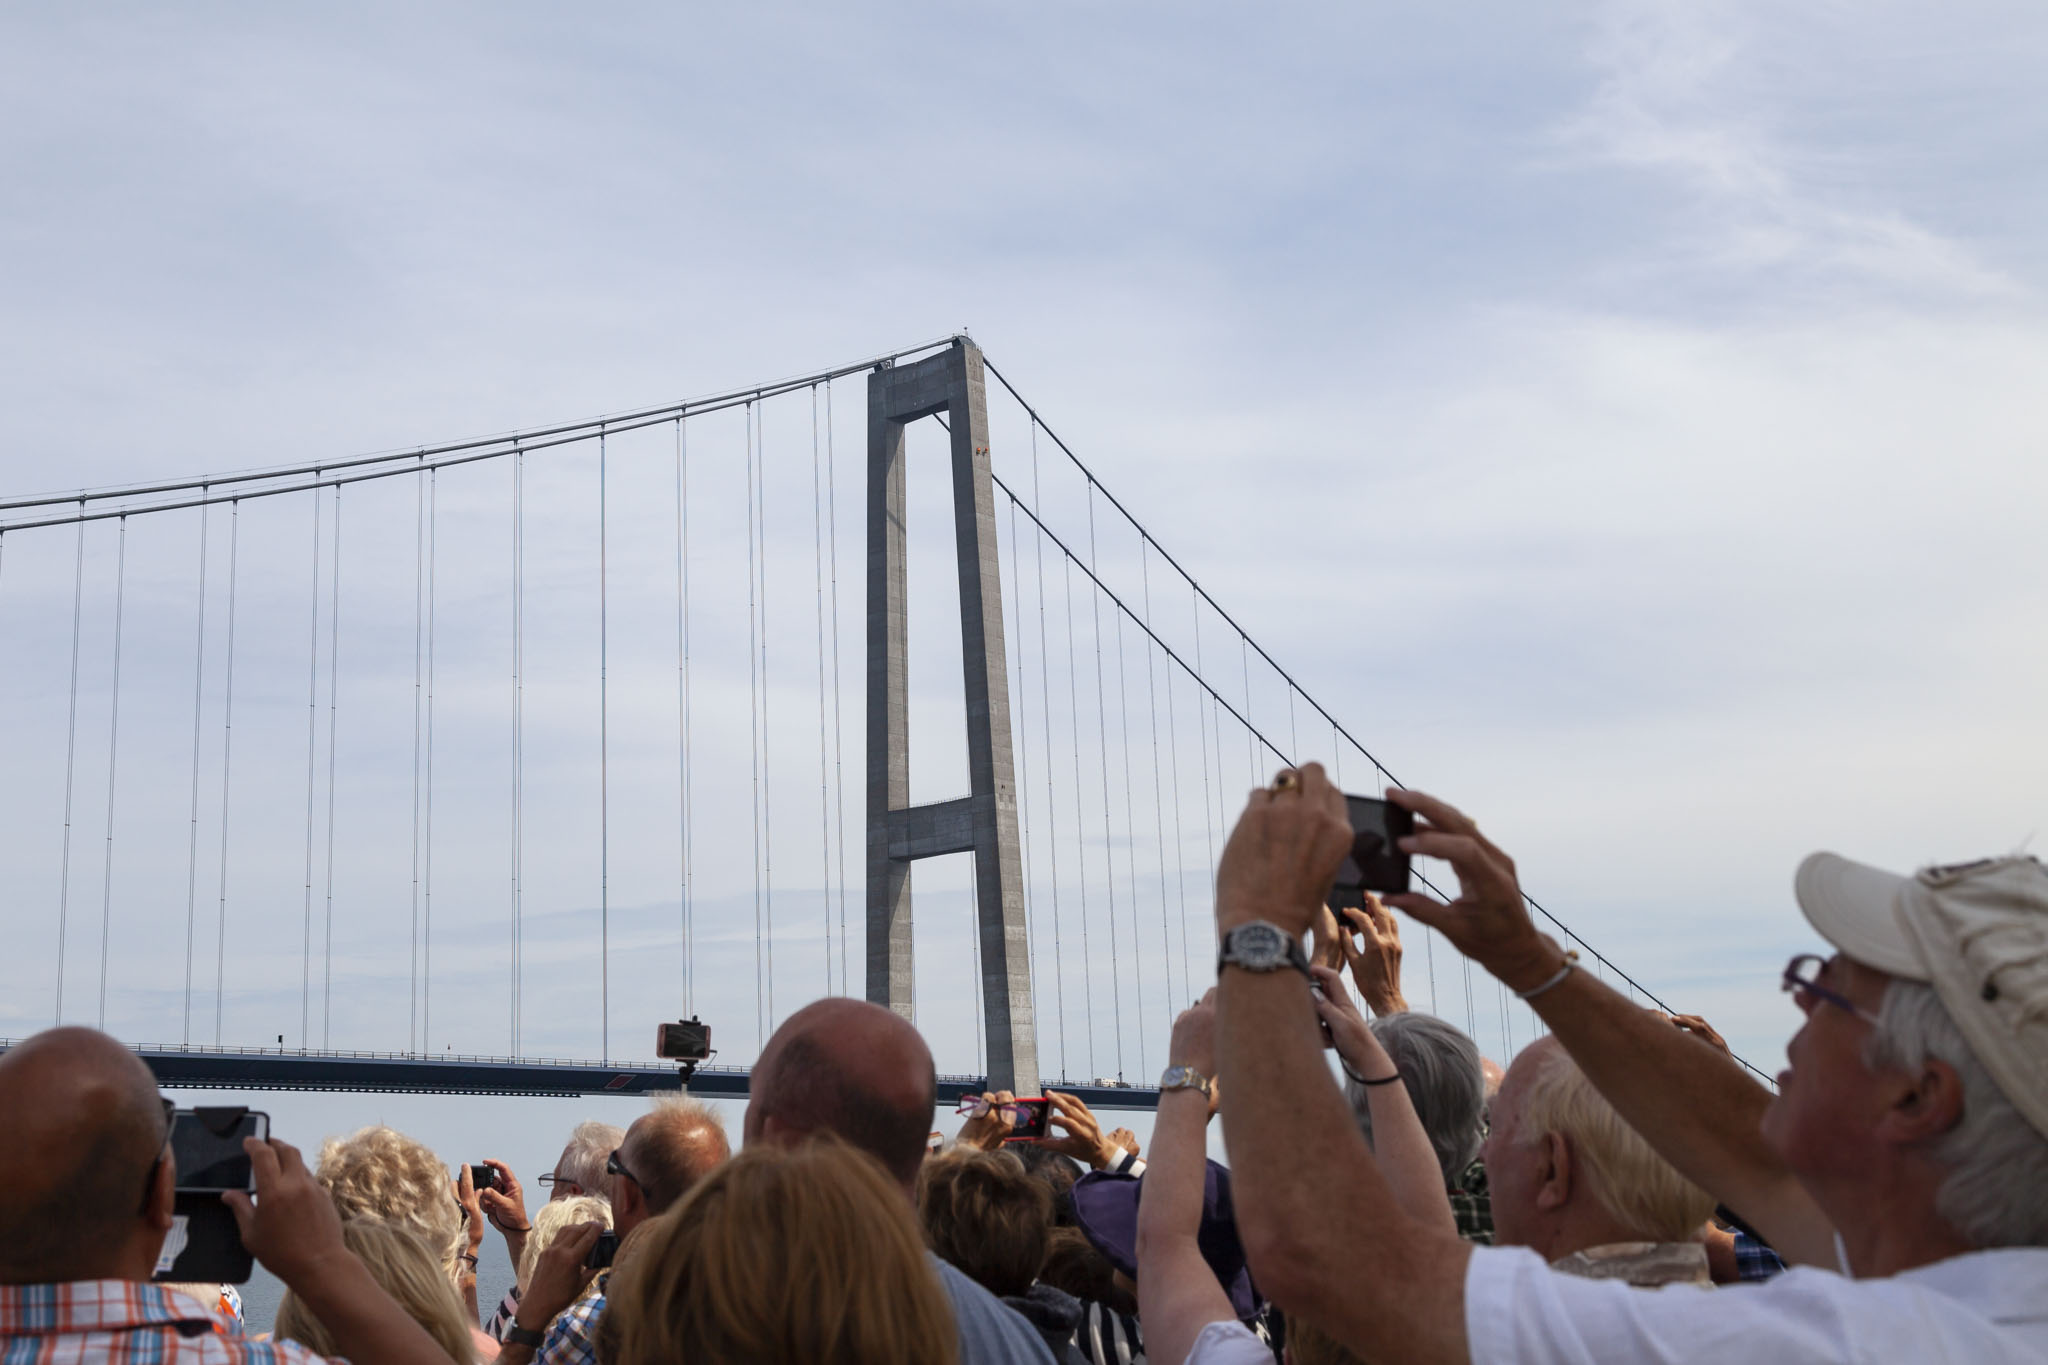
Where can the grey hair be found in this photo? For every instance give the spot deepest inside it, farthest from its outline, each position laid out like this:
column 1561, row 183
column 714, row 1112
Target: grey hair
column 1439, row 1065
column 583, row 1158
column 1995, row 1193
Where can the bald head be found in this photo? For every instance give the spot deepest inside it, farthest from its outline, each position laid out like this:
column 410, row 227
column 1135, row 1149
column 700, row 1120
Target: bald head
column 851, row 1068
column 668, row 1150
column 84, row 1126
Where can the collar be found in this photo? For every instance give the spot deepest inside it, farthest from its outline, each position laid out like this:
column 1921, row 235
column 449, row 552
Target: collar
column 96, row 1306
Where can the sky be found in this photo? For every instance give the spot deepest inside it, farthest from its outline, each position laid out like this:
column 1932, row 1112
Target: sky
column 1624, row 417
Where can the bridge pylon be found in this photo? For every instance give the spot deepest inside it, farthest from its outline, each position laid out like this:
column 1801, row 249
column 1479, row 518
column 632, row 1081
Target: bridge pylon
column 984, row 822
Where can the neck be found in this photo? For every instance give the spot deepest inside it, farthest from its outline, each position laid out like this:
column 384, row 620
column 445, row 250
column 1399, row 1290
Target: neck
column 1899, row 1230
column 1579, row 1227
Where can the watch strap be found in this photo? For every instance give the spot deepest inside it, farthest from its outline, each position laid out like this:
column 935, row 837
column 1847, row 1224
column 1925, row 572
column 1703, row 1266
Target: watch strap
column 1183, row 1078
column 515, row 1335
column 1292, row 953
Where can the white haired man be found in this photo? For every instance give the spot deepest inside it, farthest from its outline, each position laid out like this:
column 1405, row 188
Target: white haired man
column 1908, row 1144
column 1575, row 1184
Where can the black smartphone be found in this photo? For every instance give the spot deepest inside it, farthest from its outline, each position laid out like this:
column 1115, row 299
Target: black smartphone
column 1376, row 862
column 603, row 1250
column 1032, row 1127
column 206, row 1144
column 483, row 1177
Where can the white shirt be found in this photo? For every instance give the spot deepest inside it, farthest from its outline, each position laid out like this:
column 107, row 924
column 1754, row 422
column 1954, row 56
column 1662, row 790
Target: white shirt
column 1985, row 1308
column 1229, row 1343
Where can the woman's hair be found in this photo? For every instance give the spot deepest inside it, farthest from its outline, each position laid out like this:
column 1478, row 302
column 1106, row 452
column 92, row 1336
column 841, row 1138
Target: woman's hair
column 1075, row 1265
column 1439, row 1068
column 582, row 1160
column 400, row 1261
column 986, row 1216
column 551, row 1219
column 381, row 1173
column 783, row 1254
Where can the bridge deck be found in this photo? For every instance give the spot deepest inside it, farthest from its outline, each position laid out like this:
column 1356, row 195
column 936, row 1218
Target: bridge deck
column 373, row 1072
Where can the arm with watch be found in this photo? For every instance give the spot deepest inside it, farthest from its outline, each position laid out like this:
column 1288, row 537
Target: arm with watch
column 1178, row 1294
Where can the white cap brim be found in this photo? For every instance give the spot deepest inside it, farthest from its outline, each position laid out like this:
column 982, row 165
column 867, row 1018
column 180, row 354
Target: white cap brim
column 1856, row 908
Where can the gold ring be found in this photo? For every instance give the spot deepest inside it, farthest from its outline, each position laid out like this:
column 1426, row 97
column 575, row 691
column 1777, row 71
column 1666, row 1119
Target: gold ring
column 1286, row 780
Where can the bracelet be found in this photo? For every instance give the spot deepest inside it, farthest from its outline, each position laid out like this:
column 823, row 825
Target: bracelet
column 1571, row 964
column 1384, row 1080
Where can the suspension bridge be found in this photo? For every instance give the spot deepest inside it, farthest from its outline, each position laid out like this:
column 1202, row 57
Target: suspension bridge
column 457, row 767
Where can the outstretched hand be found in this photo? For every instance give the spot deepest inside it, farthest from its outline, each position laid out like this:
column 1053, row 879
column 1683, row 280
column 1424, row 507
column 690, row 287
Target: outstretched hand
column 1283, row 853
column 1081, row 1136
column 1488, row 922
column 1376, row 966
column 291, row 1226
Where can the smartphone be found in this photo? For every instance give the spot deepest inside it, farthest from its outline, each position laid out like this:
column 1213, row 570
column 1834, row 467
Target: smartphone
column 206, row 1144
column 1376, row 862
column 1032, row 1127
column 483, row 1177
column 602, row 1251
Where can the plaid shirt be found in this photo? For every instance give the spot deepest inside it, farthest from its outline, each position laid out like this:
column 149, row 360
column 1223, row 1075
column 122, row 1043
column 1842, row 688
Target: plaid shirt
column 125, row 1322
column 1472, row 1206
column 1755, row 1261
column 572, row 1336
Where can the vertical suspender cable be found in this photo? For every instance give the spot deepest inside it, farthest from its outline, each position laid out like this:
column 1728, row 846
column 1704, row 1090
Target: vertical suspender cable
column 838, row 753
column 518, row 739
column 824, row 767
column 1052, row 821
column 1116, row 989
column 1251, row 751
column 683, row 710
column 333, row 726
column 1123, row 709
column 1158, row 798
column 70, row 765
column 427, row 838
column 312, row 768
column 419, row 657
column 192, row 840
column 113, row 749
column 1080, row 821
column 767, row 808
column 604, row 751
column 754, row 740
column 1202, row 705
column 227, row 755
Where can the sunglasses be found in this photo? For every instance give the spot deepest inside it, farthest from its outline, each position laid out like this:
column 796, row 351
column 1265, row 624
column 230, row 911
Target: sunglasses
column 613, row 1166
column 977, row 1107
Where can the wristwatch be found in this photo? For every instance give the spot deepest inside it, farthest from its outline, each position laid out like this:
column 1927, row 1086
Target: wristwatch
column 516, row 1335
column 1183, row 1078
column 1261, row 946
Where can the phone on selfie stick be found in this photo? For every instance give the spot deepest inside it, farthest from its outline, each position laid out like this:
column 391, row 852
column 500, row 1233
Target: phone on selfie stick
column 204, row 1244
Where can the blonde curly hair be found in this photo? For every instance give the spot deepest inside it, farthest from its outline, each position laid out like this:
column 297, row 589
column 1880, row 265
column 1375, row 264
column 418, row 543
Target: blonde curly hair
column 381, row 1173
column 399, row 1261
column 554, row 1218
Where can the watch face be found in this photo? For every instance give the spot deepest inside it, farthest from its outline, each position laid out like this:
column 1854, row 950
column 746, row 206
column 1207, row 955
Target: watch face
column 1259, row 947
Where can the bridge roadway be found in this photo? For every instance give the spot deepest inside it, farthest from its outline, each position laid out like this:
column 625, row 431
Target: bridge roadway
column 228, row 1068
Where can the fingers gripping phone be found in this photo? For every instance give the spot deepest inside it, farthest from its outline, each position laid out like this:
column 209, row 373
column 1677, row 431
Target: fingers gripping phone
column 204, row 1244
column 603, row 1251
column 1031, row 1116
column 482, row 1177
column 1376, row 862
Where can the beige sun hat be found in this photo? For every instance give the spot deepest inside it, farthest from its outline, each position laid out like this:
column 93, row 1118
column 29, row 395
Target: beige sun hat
column 1976, row 932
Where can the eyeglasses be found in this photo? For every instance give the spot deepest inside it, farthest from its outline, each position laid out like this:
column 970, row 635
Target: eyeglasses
column 613, row 1166
column 978, row 1107
column 560, row 1184
column 1802, row 979
column 170, row 1125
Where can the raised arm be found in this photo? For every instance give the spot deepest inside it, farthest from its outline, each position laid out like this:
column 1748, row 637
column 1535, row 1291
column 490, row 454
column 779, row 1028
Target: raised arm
column 1324, row 1234
column 1398, row 1143
column 1697, row 1107
column 1178, row 1294
column 292, row 1228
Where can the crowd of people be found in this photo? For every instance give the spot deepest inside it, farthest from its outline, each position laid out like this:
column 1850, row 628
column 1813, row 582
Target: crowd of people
column 1623, row 1191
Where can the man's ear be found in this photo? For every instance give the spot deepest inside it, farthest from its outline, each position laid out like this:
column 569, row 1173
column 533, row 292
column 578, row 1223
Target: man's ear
column 1926, row 1106
column 1556, row 1190
column 163, row 1197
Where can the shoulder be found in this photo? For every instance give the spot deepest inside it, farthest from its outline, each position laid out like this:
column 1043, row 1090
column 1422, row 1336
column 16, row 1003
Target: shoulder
column 1516, row 1309
column 991, row 1332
